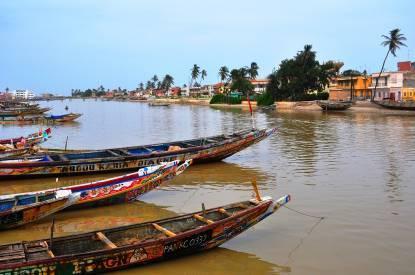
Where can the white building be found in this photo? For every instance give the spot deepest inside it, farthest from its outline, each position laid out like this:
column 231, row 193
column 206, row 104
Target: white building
column 390, row 84
column 23, row 94
column 260, row 85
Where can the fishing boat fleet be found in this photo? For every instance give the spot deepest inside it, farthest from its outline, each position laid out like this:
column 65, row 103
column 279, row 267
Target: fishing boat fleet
column 16, row 112
column 119, row 247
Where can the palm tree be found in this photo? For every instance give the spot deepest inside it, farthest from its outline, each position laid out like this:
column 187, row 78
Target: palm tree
column 203, row 74
column 195, row 73
column 253, row 70
column 223, row 73
column 167, row 82
column 141, row 86
column 155, row 79
column 393, row 42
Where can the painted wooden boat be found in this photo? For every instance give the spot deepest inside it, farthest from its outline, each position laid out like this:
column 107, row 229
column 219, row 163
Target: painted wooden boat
column 397, row 105
column 63, row 118
column 16, row 210
column 23, row 111
column 22, row 145
column 137, row 244
column 120, row 189
column 206, row 149
column 328, row 105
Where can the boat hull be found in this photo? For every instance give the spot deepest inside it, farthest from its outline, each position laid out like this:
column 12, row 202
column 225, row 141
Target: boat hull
column 393, row 105
column 201, row 154
column 144, row 252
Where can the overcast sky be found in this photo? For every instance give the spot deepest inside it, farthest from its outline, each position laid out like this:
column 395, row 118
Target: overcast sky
column 49, row 45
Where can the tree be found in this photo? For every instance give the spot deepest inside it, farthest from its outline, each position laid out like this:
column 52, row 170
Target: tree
column 167, row 82
column 393, row 42
column 154, row 80
column 253, row 70
column 195, row 73
column 149, row 85
column 203, row 75
column 299, row 76
column 141, row 86
column 240, row 81
column 7, row 89
column 223, row 73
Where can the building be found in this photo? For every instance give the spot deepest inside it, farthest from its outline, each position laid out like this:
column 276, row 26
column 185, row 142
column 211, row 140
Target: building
column 260, row 85
column 5, row 96
column 219, row 88
column 349, row 88
column 406, row 66
column 174, row 91
column 207, row 90
column 23, row 94
column 399, row 85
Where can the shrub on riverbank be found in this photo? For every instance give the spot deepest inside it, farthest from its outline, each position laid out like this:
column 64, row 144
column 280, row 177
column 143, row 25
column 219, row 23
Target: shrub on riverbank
column 223, row 99
column 265, row 99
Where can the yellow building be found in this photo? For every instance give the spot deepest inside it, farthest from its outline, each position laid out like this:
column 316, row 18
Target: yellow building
column 408, row 94
column 341, row 87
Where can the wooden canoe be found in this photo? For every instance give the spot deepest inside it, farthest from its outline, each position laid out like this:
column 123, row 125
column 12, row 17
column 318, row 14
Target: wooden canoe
column 137, row 244
column 119, row 189
column 206, row 149
column 327, row 105
column 17, row 210
column 63, row 118
column 16, row 146
column 397, row 105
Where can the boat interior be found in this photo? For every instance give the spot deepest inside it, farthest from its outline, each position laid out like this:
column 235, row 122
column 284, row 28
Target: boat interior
column 117, row 237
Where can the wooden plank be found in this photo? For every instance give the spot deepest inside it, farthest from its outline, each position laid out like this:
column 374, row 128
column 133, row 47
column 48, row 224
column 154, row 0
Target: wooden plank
column 49, row 251
column 104, row 239
column 164, row 230
column 223, row 211
column 243, row 206
column 202, row 219
column 125, row 152
column 113, row 153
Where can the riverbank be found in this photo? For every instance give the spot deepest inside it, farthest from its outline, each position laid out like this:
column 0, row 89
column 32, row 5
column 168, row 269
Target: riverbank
column 359, row 106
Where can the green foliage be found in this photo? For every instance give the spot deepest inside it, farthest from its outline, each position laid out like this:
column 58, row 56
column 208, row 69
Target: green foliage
column 240, row 81
column 299, row 77
column 224, row 99
column 265, row 99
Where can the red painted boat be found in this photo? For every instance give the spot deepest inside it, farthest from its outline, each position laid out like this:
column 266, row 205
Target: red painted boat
column 138, row 244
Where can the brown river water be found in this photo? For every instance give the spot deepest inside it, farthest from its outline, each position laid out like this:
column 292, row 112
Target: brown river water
column 355, row 169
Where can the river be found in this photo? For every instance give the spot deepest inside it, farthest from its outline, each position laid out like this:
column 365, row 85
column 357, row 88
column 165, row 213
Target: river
column 357, row 170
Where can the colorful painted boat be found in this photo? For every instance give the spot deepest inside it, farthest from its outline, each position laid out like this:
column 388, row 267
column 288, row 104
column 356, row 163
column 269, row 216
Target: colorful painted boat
column 63, row 118
column 22, row 145
column 17, row 210
column 328, row 105
column 138, row 244
column 206, row 149
column 123, row 188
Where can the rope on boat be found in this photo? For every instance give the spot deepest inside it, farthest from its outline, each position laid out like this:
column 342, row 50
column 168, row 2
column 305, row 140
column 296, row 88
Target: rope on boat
column 304, row 214
column 320, row 219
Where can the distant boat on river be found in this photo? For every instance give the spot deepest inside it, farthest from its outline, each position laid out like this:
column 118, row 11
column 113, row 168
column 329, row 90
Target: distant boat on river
column 328, row 105
column 397, row 105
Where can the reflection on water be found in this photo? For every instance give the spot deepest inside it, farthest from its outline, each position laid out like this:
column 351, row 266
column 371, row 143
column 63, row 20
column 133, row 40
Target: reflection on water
column 70, row 222
column 215, row 262
column 356, row 169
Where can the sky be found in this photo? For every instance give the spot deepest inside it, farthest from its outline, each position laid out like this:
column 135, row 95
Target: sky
column 55, row 46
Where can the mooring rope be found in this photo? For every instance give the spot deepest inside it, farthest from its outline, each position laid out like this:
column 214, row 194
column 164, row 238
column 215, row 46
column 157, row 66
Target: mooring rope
column 308, row 232
column 304, row 214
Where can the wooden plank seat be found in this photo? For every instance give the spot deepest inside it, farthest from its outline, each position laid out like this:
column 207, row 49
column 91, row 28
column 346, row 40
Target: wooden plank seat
column 163, row 230
column 105, row 240
column 113, row 153
column 223, row 211
column 202, row 219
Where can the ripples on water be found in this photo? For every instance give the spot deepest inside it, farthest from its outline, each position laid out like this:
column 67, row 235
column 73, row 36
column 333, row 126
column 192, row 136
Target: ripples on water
column 356, row 169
